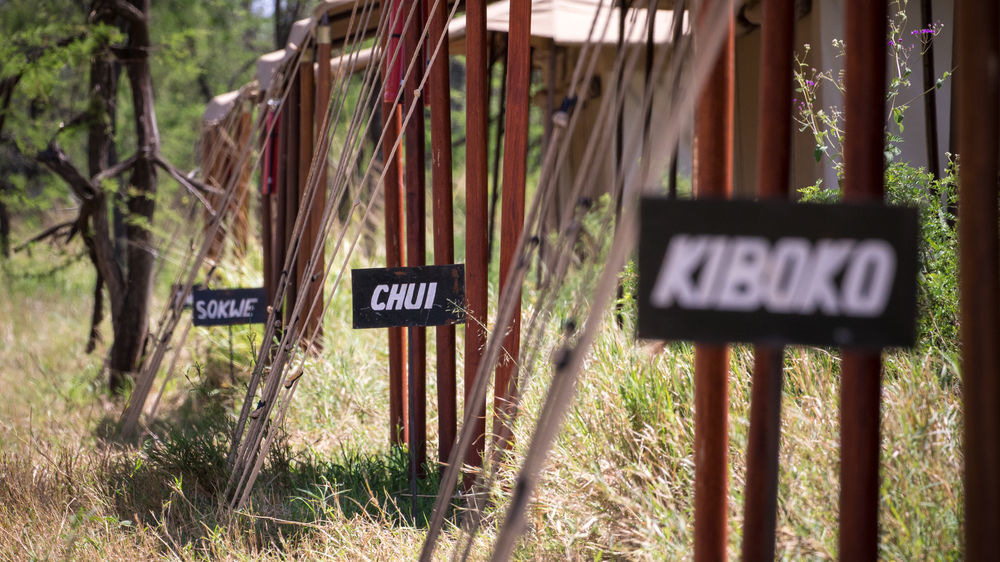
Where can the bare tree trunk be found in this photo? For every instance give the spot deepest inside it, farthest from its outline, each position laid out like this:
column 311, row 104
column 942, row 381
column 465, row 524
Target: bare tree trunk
column 4, row 227
column 6, row 91
column 100, row 156
column 131, row 323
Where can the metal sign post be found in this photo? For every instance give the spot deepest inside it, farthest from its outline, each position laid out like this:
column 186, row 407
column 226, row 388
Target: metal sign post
column 410, row 297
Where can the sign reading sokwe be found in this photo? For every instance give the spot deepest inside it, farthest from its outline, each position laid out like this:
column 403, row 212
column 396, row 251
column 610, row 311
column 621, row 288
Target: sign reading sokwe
column 778, row 272
column 219, row 307
column 430, row 295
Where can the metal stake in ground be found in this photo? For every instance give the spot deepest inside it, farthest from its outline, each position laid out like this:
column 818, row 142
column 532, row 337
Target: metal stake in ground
column 411, row 445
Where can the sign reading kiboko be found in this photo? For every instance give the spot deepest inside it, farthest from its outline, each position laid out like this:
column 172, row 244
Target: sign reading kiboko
column 430, row 295
column 777, row 272
column 219, row 307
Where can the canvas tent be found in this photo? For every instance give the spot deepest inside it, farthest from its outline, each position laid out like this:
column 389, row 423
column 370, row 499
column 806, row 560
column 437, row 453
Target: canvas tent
column 559, row 30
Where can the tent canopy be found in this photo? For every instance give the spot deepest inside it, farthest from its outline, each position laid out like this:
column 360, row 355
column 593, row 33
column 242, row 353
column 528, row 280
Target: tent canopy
column 553, row 22
column 568, row 22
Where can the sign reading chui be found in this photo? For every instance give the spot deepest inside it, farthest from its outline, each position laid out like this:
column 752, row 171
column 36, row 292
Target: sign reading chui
column 779, row 272
column 430, row 295
column 219, row 307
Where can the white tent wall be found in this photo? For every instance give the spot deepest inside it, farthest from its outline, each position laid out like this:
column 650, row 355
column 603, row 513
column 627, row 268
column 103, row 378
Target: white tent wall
column 823, row 24
column 601, row 178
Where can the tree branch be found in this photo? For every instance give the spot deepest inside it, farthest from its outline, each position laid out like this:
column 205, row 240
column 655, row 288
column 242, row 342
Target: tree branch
column 114, row 171
column 92, row 208
column 52, row 231
column 56, row 160
column 195, row 188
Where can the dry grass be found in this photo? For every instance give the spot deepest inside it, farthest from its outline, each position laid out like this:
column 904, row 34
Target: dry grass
column 619, row 483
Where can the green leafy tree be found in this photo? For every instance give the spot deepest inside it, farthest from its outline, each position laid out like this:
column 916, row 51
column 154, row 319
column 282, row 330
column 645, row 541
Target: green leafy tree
column 62, row 64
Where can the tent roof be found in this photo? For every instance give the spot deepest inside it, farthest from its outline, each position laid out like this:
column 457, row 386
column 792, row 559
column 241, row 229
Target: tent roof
column 345, row 17
column 220, row 106
column 568, row 22
column 563, row 22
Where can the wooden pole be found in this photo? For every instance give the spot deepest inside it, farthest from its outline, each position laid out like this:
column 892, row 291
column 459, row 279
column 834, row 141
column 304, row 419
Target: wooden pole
column 497, row 140
column 444, row 244
column 291, row 193
column 416, row 234
column 476, row 258
column 978, row 89
column 315, row 320
column 306, row 96
column 266, row 192
column 774, row 133
column 515, row 159
column 394, row 257
column 713, row 163
column 861, row 371
column 394, row 218
column 281, row 186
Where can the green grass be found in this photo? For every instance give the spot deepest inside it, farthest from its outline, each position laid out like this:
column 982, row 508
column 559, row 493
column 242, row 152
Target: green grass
column 618, row 484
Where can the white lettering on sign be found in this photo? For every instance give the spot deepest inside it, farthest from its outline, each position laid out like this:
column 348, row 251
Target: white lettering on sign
column 404, row 296
column 223, row 309
column 376, row 305
column 792, row 275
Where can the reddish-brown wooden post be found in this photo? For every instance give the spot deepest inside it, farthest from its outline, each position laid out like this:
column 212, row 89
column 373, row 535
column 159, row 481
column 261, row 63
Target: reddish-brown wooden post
column 308, row 240
column 291, row 192
column 439, row 88
column 773, row 157
column 977, row 88
column 314, row 321
column 267, row 186
column 861, row 371
column 476, row 258
column 416, row 234
column 515, row 158
column 713, row 163
column 394, row 217
column 281, row 186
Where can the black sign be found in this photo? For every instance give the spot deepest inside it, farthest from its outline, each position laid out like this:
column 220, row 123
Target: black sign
column 777, row 272
column 430, row 295
column 219, row 307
